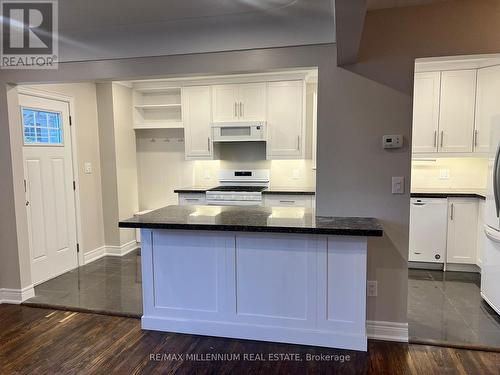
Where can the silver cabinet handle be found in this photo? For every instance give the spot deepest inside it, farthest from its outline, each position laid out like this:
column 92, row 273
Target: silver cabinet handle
column 298, row 142
column 452, row 211
column 208, row 143
column 235, row 109
column 192, row 199
column 475, row 138
column 287, row 201
column 241, row 109
column 435, row 138
column 442, row 137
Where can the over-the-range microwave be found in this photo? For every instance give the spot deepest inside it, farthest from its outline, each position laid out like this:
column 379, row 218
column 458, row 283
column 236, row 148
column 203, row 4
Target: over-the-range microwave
column 239, row 131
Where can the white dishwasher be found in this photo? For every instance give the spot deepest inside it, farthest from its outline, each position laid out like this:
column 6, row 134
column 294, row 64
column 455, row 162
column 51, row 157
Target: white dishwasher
column 428, row 226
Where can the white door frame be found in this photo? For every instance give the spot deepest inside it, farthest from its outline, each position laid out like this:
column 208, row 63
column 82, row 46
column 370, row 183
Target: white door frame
column 74, row 154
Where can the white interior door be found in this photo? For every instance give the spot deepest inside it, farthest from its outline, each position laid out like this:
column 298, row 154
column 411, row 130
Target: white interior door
column 48, row 174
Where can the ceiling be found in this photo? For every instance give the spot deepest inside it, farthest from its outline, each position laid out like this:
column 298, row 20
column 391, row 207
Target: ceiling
column 385, row 4
column 104, row 29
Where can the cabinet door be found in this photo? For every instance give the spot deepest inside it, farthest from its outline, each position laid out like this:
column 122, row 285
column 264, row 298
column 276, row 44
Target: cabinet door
column 426, row 112
column 196, row 116
column 462, row 231
column 252, row 102
column 428, row 221
column 287, row 200
column 189, row 199
column 456, row 114
column 487, row 106
column 225, row 104
column 285, row 120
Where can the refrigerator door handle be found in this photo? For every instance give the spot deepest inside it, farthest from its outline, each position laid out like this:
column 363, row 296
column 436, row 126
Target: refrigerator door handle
column 491, row 235
column 496, row 181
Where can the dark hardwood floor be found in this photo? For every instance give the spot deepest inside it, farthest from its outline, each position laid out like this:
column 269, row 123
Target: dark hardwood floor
column 43, row 341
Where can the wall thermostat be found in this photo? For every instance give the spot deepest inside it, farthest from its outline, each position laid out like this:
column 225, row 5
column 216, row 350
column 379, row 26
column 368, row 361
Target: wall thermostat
column 392, row 141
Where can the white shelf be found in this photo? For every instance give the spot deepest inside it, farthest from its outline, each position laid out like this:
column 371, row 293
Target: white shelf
column 157, row 89
column 159, row 125
column 157, row 106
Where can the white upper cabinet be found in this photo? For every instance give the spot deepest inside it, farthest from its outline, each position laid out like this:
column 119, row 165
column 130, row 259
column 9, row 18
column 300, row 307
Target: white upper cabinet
column 285, row 120
column 487, row 105
column 456, row 114
column 225, row 103
column 196, row 113
column 426, row 111
column 239, row 102
column 252, row 99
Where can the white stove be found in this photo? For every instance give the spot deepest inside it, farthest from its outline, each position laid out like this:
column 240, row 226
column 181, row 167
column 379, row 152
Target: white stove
column 239, row 188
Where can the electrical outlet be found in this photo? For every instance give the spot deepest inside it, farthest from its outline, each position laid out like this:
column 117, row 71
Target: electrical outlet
column 444, row 174
column 371, row 288
column 87, row 166
column 207, row 174
column 295, row 174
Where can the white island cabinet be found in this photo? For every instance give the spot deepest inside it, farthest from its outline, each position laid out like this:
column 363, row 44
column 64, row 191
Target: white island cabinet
column 273, row 274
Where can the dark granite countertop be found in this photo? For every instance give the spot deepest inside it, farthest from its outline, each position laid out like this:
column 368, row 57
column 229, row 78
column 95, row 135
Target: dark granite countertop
column 253, row 219
column 290, row 190
column 193, row 189
column 271, row 190
column 452, row 194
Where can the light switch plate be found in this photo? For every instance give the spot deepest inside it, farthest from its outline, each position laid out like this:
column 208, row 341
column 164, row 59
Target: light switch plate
column 398, row 185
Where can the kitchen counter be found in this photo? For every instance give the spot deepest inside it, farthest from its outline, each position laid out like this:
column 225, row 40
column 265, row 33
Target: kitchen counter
column 448, row 193
column 193, row 189
column 270, row 190
column 276, row 274
column 290, row 190
column 253, row 219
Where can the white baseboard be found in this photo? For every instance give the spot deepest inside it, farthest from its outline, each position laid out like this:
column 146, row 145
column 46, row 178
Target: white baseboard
column 16, row 296
column 118, row 251
column 463, row 267
column 387, row 331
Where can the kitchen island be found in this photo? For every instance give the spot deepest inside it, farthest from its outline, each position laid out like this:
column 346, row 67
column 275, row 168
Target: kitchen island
column 277, row 274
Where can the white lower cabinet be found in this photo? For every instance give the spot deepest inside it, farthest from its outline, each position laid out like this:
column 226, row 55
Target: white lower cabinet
column 428, row 221
column 186, row 199
column 288, row 200
column 462, row 230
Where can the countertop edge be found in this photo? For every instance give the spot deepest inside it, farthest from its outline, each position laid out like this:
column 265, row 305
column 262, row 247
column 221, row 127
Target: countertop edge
column 265, row 192
column 257, row 229
column 447, row 195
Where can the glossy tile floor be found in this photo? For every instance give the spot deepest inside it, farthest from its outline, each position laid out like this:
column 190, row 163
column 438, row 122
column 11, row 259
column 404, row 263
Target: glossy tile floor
column 447, row 306
column 110, row 284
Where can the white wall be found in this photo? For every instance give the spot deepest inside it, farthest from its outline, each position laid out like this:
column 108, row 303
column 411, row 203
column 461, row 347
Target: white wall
column 464, row 173
column 161, row 167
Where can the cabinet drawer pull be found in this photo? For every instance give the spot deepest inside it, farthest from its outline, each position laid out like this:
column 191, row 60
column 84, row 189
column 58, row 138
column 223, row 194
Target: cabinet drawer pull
column 442, row 138
column 192, row 199
column 285, row 201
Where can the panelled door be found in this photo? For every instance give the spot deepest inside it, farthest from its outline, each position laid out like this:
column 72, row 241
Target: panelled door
column 48, row 171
